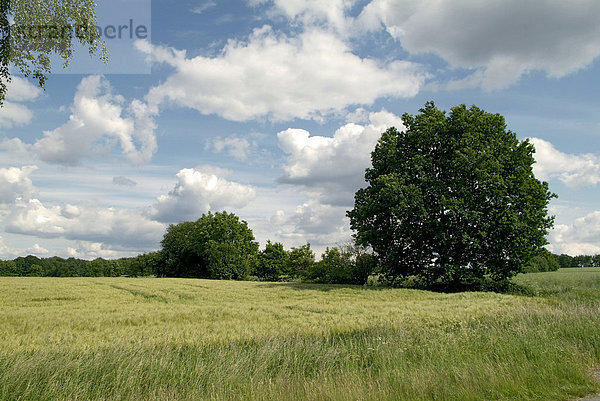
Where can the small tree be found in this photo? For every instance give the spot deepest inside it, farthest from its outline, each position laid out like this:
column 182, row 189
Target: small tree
column 345, row 264
column 451, row 200
column 334, row 267
column 362, row 263
column 301, row 259
column 216, row 246
column 272, row 262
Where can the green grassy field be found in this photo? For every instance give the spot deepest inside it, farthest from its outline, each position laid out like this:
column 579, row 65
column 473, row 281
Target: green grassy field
column 180, row 339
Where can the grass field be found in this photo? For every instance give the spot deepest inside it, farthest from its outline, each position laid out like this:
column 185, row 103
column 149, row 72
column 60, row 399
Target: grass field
column 180, row 339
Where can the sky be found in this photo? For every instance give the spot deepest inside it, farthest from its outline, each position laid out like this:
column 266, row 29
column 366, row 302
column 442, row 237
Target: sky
column 270, row 108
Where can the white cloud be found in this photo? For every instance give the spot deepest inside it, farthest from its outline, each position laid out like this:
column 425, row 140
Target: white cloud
column 330, row 169
column 109, row 231
column 279, row 77
column 15, row 183
column 6, row 252
column 96, row 124
column 502, row 39
column 21, row 90
column 234, row 146
column 582, row 237
column 13, row 114
column 36, row 250
column 92, row 250
column 575, row 171
column 87, row 222
column 197, row 191
column 321, row 225
column 333, row 167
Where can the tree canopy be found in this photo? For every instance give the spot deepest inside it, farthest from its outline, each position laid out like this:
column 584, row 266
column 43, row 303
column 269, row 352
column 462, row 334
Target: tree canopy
column 216, row 246
column 273, row 262
column 31, row 31
column 452, row 199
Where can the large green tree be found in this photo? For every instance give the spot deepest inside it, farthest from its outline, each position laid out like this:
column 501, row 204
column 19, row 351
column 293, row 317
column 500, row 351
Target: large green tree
column 216, row 246
column 452, row 200
column 31, row 31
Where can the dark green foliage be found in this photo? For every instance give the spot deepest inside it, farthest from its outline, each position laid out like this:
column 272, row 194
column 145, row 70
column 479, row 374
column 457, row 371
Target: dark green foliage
column 142, row 265
column 452, row 200
column 346, row 264
column 272, row 263
column 585, row 261
column 8, row 268
column 544, row 261
column 35, row 271
column 565, row 260
column 333, row 268
column 364, row 266
column 301, row 259
column 218, row 246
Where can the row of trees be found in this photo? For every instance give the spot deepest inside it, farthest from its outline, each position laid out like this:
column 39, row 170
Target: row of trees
column 32, row 266
column 220, row 246
column 348, row 263
column 579, row 260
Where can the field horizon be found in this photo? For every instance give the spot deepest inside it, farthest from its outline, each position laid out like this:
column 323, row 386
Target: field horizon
column 185, row 339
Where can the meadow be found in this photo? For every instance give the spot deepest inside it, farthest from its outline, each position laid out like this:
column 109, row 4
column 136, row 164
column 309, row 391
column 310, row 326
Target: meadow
column 189, row 339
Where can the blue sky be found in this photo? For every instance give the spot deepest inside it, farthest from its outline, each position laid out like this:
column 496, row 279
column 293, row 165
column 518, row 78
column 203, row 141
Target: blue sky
column 270, row 109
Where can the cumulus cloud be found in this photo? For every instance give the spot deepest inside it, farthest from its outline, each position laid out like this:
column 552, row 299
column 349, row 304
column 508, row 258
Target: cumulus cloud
column 37, row 250
column 502, row 40
column 97, row 122
column 574, row 170
column 13, row 114
column 279, row 77
column 330, row 169
column 15, row 183
column 235, row 146
column 108, row 231
column 316, row 223
column 197, row 191
column 86, row 222
column 333, row 167
column 582, row 237
column 21, row 90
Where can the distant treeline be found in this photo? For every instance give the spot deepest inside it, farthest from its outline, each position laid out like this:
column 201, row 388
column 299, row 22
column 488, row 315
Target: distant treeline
column 578, row 261
column 547, row 261
column 296, row 263
column 32, row 266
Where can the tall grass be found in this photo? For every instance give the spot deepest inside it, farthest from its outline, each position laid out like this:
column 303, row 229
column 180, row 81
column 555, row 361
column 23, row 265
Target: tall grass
column 176, row 339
